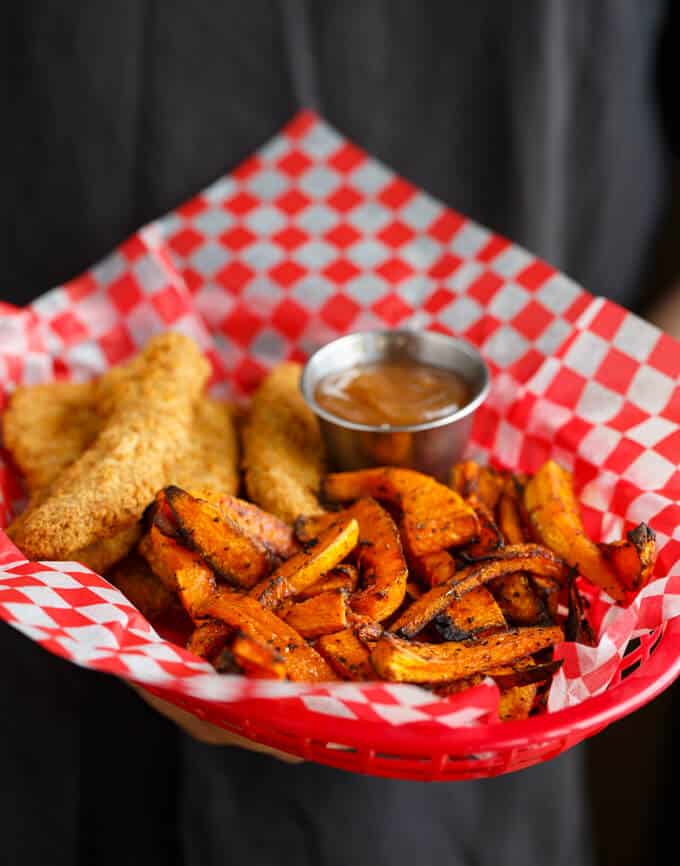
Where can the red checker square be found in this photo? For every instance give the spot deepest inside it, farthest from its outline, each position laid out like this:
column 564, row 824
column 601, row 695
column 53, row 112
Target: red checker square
column 192, row 208
column 394, row 270
column 290, row 318
column 584, row 472
column 290, row 238
column 240, row 203
column 395, row 234
column 69, row 328
column 439, row 328
column 532, row 320
column 445, row 226
column 237, row 237
column 570, row 435
column 576, row 308
column 396, row 193
column 534, row 275
column 294, row 163
column 623, row 494
column 485, row 287
column 117, row 344
column 184, row 242
column 339, row 311
column 133, row 248
column 287, row 272
column 670, row 554
column 300, row 124
column 519, row 414
column 248, row 168
column 391, row 309
column 616, row 370
column 493, row 247
column 672, row 409
column 169, row 304
column 344, row 198
column 607, row 322
column 481, row 330
column 340, row 271
column 445, row 265
column 524, row 368
column 438, row 300
column 292, row 201
column 485, row 426
column 533, row 453
column 666, row 521
column 234, row 276
column 346, row 158
column 665, row 356
column 671, row 488
column 623, row 455
column 242, row 324
column 248, row 374
column 669, row 447
column 342, row 236
column 192, row 279
column 295, row 353
column 566, row 388
column 628, row 416
column 68, row 617
column 80, row 287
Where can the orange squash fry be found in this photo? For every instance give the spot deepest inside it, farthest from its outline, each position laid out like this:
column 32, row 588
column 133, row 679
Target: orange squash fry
column 302, row 662
column 517, row 702
column 144, row 589
column 305, row 568
column 470, row 478
column 475, row 613
column 434, row 517
column 407, row 661
column 232, row 555
column 308, row 527
column 518, row 599
column 577, row 628
column 521, row 557
column 209, row 638
column 257, row 659
column 343, row 576
column 521, row 673
column 554, row 514
column 323, row 614
column 349, row 657
column 490, row 537
column 265, row 528
column 633, row 558
column 509, row 520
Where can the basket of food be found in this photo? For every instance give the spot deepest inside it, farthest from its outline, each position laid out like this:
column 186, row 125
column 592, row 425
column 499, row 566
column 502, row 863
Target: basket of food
column 464, row 588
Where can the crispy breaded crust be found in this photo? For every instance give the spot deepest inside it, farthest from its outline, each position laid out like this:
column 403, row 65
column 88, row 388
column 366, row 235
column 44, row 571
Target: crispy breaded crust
column 150, row 408
column 283, row 454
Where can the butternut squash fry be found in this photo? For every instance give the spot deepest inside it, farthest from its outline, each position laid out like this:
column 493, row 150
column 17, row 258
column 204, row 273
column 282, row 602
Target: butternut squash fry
column 302, row 662
column 308, row 527
column 406, row 661
column 520, row 557
column 519, row 601
column 144, row 589
column 434, row 517
column 347, row 655
column 305, row 568
column 517, row 702
column 470, row 478
column 209, row 639
column 343, row 576
column 521, row 673
column 271, row 532
column 232, row 555
column 323, row 614
column 257, row 659
column 509, row 520
column 490, row 537
column 633, row 558
column 475, row 613
column 554, row 514
column 577, row 628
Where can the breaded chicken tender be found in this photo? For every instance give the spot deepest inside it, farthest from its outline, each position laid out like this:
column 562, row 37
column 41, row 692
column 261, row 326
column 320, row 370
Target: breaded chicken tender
column 283, row 454
column 148, row 409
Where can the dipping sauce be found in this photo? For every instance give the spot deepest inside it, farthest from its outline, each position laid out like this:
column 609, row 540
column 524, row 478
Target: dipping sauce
column 392, row 393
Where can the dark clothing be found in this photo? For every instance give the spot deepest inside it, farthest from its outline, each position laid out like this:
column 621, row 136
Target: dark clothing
column 538, row 119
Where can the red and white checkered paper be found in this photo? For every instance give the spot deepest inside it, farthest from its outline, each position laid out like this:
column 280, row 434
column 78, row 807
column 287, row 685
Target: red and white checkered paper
column 308, row 239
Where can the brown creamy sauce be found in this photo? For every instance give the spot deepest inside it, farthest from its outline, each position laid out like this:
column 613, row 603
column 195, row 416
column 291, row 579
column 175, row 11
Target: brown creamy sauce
column 392, row 393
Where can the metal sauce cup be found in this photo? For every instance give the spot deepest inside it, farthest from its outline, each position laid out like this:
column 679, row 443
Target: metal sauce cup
column 431, row 447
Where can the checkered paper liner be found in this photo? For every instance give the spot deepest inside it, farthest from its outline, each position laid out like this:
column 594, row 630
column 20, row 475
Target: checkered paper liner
column 308, row 239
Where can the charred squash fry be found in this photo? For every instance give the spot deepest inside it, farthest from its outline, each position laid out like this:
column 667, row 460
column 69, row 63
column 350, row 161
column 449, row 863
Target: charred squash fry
column 518, row 600
column 257, row 659
column 516, row 703
column 209, row 639
column 490, row 537
column 475, row 613
column 271, row 532
column 302, row 662
column 554, row 514
column 509, row 520
column 470, row 478
column 347, row 655
column 305, row 568
column 308, row 527
column 343, row 576
column 144, row 589
column 520, row 557
column 232, row 555
column 633, row 558
column 404, row 661
column 323, row 614
column 434, row 517
column 549, row 592
column 577, row 628
column 523, row 673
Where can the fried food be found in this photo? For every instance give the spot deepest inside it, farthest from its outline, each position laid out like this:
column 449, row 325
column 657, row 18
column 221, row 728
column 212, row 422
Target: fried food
column 265, row 528
column 633, row 557
column 349, row 657
column 283, row 454
column 325, row 613
column 148, row 409
column 471, row 479
column 139, row 584
column 433, row 516
column 345, row 577
column 474, row 614
column 209, row 639
column 257, row 659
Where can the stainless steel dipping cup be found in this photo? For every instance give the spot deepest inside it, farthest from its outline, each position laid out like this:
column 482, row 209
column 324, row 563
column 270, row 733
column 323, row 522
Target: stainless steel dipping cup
column 431, row 447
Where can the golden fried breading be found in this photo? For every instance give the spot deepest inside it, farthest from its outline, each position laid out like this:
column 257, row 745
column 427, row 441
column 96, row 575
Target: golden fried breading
column 150, row 410
column 211, row 461
column 46, row 427
column 283, row 454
